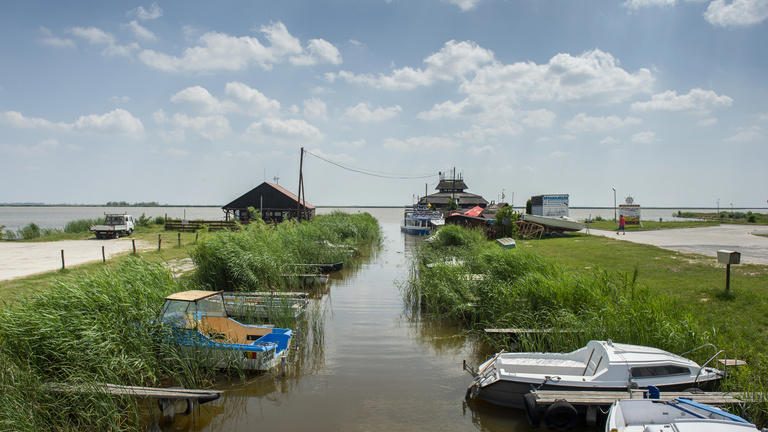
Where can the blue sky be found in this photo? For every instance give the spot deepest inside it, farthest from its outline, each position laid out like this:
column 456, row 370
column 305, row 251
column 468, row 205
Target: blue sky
column 196, row 102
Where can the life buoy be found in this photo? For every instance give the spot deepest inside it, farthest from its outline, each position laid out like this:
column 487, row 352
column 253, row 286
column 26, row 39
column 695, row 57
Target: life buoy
column 531, row 409
column 561, row 416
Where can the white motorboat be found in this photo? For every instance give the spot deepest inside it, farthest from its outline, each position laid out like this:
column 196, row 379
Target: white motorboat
column 562, row 223
column 600, row 366
column 678, row 415
column 420, row 220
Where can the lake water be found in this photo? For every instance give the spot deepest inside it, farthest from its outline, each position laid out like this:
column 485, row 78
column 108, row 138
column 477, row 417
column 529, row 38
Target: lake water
column 56, row 217
column 376, row 369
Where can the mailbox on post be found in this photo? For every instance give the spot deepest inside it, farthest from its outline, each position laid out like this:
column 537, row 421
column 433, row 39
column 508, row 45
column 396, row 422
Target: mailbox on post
column 728, row 257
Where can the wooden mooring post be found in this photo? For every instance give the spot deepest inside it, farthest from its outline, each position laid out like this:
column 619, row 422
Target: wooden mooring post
column 103, row 255
column 178, row 244
column 196, row 234
column 62, row 259
column 133, row 243
column 159, row 241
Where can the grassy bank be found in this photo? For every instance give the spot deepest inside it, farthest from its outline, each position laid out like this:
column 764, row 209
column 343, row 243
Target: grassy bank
column 735, row 217
column 78, row 229
column 260, row 255
column 610, row 225
column 598, row 288
column 98, row 328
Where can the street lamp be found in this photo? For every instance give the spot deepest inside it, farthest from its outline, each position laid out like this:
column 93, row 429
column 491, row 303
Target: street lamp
column 614, row 204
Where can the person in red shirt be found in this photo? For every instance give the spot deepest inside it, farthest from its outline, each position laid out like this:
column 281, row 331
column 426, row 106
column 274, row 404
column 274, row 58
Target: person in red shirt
column 622, row 223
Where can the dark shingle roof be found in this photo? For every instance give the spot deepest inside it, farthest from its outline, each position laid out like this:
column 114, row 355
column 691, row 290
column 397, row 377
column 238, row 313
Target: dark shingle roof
column 268, row 195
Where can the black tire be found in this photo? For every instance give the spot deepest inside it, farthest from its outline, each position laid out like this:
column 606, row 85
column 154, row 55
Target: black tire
column 531, row 410
column 561, row 416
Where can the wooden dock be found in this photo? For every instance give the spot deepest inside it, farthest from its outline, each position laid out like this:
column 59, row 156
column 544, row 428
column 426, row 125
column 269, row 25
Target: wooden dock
column 517, row 331
column 606, row 398
column 199, row 396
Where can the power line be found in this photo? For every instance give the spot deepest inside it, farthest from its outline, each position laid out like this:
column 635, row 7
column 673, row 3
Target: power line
column 369, row 172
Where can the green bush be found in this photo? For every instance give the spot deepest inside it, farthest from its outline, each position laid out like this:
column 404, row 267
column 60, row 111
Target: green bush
column 752, row 218
column 159, row 220
column 81, row 225
column 143, row 221
column 30, row 231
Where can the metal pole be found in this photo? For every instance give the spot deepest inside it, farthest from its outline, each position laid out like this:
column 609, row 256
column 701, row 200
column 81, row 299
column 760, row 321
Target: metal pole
column 614, row 204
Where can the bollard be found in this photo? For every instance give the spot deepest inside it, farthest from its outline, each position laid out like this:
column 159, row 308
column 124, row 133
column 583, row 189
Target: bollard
column 159, row 241
column 62, row 259
column 133, row 243
column 179, row 239
column 103, row 255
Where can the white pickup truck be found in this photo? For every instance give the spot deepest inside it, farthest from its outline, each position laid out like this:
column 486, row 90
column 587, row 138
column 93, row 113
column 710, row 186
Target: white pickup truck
column 114, row 226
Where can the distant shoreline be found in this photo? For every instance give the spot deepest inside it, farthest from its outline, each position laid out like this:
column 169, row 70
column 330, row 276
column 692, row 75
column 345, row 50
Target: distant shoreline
column 366, row 206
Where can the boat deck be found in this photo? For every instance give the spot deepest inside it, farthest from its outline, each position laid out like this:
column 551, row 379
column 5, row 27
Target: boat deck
column 606, row 398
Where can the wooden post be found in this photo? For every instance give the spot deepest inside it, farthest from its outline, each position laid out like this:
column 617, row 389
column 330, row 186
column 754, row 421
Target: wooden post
column 103, row 255
column 179, row 239
column 301, row 184
column 196, row 234
column 727, row 277
column 62, row 259
column 133, row 243
column 159, row 241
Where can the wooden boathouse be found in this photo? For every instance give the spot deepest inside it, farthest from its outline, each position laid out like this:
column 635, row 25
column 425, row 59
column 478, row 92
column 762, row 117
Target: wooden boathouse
column 274, row 202
column 452, row 189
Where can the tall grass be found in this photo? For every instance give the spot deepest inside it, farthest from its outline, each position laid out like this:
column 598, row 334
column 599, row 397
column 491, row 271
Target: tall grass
column 259, row 255
column 81, row 225
column 102, row 328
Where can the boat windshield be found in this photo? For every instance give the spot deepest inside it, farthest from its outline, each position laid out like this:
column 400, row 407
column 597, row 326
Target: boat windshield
column 181, row 313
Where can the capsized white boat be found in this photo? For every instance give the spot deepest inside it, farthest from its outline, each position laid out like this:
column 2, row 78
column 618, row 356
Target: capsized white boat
column 678, row 415
column 562, row 223
column 600, row 366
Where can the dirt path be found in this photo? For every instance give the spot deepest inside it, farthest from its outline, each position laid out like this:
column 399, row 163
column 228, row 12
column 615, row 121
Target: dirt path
column 19, row 259
column 704, row 241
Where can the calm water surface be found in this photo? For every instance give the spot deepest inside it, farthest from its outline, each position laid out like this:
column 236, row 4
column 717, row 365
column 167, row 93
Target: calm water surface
column 375, row 370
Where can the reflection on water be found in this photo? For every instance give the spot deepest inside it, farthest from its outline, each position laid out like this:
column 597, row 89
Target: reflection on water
column 362, row 363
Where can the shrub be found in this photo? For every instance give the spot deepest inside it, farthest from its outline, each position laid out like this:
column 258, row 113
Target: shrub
column 30, row 231
column 159, row 220
column 81, row 225
column 143, row 220
column 752, row 219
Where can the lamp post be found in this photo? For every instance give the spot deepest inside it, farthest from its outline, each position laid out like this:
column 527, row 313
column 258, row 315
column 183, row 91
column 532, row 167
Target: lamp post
column 614, row 204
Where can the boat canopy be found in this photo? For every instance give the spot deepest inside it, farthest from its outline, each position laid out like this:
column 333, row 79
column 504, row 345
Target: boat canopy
column 192, row 295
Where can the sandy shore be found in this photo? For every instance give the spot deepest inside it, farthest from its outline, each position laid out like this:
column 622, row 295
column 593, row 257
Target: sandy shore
column 704, row 241
column 18, row 259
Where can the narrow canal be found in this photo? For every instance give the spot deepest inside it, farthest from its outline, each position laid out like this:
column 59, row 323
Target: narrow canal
column 376, row 368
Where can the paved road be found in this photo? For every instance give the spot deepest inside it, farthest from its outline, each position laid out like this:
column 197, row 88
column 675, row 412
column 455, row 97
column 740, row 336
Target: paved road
column 704, row 241
column 18, row 259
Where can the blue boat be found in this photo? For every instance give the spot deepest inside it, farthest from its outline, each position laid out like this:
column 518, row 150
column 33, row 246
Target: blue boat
column 420, row 220
column 200, row 322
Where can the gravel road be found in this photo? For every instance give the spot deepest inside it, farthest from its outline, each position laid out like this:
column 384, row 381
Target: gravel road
column 18, row 259
column 704, row 241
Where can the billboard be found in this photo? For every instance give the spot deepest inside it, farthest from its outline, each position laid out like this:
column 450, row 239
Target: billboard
column 631, row 213
column 554, row 205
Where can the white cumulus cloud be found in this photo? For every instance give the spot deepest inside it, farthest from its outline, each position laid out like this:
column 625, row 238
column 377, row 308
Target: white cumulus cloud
column 153, row 12
column 696, row 100
column 364, row 113
column 464, row 5
column 420, row 143
column 117, row 121
column 252, row 101
column 140, row 32
column 97, row 36
column 584, row 123
column 48, row 38
column 286, row 128
column 315, row 108
column 736, row 13
column 454, row 61
column 223, row 52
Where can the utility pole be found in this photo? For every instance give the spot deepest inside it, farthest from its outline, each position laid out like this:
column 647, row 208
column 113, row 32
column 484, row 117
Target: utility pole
column 453, row 189
column 301, row 185
column 614, row 204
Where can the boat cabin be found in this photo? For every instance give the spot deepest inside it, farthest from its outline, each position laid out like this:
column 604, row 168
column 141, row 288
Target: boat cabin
column 205, row 311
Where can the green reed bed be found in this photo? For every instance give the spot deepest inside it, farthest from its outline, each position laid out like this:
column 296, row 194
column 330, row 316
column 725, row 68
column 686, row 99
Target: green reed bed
column 259, row 255
column 476, row 283
column 102, row 328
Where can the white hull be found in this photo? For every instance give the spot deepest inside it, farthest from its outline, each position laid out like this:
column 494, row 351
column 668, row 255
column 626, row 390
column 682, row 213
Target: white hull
column 562, row 224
